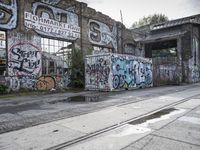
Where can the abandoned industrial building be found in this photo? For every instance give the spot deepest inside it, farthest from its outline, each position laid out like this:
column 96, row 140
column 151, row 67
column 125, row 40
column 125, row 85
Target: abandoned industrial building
column 37, row 41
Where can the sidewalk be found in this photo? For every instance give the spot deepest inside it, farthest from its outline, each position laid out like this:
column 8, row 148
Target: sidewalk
column 57, row 132
column 22, row 112
column 183, row 133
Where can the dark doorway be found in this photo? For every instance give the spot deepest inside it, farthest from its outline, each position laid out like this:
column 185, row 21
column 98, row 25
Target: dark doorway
column 165, row 62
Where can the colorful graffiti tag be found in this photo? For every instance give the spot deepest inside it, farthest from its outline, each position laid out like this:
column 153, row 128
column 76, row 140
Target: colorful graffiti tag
column 32, row 83
column 45, row 83
column 101, row 34
column 130, row 72
column 8, row 14
column 53, row 22
column 115, row 71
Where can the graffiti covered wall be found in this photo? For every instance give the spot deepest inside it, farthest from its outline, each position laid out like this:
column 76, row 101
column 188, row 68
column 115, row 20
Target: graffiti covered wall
column 24, row 60
column 115, row 71
column 194, row 62
column 101, row 34
column 24, row 56
column 130, row 72
column 98, row 72
column 8, row 14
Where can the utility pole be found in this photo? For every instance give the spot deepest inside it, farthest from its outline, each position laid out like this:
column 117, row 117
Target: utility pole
column 121, row 16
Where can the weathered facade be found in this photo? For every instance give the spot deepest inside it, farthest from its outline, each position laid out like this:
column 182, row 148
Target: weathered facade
column 174, row 48
column 37, row 38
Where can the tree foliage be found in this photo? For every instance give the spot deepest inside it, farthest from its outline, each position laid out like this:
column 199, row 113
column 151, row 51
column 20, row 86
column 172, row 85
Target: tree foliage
column 77, row 74
column 151, row 19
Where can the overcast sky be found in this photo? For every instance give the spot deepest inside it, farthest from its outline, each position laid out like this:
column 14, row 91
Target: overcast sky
column 133, row 10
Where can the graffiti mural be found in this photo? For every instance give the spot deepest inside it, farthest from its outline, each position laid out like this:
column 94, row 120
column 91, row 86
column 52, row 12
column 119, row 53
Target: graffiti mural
column 194, row 63
column 195, row 71
column 27, row 82
column 115, row 71
column 24, row 56
column 51, row 2
column 101, row 34
column 13, row 83
column 130, row 72
column 8, row 14
column 62, row 81
column 24, row 59
column 33, row 83
column 97, row 72
column 51, row 21
column 167, row 74
column 45, row 83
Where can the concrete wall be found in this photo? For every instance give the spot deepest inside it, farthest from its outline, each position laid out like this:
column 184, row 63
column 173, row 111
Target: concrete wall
column 191, row 53
column 194, row 62
column 188, row 58
column 116, row 71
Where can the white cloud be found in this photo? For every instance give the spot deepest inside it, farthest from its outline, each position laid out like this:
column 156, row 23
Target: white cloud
column 133, row 10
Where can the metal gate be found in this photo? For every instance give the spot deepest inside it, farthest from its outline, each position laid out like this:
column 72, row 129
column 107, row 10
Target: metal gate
column 165, row 71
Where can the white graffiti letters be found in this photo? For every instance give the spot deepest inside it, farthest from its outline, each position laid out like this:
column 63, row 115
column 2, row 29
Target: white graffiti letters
column 54, row 22
column 8, row 15
column 100, row 34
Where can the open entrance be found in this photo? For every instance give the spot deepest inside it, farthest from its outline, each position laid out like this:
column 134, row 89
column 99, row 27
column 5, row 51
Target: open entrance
column 2, row 53
column 165, row 62
column 161, row 49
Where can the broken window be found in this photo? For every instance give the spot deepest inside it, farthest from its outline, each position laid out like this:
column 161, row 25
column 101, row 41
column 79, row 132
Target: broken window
column 56, row 57
column 2, row 53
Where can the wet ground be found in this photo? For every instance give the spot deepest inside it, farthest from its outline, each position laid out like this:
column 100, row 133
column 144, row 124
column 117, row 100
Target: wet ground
column 81, row 99
column 153, row 116
column 20, row 112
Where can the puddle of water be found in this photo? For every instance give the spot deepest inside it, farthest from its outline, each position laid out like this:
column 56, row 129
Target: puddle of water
column 141, row 126
column 79, row 99
column 161, row 115
column 19, row 108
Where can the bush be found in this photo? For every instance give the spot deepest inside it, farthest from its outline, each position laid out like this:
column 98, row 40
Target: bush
column 77, row 74
column 3, row 89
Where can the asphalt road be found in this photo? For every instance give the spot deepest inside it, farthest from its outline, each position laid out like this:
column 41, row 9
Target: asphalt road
column 22, row 112
column 165, row 118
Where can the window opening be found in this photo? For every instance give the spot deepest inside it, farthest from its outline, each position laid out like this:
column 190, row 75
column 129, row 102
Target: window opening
column 56, row 56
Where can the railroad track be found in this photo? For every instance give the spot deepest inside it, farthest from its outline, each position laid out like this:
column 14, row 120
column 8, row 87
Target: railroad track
column 99, row 132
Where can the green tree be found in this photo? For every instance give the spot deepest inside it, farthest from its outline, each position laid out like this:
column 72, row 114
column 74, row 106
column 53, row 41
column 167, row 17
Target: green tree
column 77, row 74
column 151, row 19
